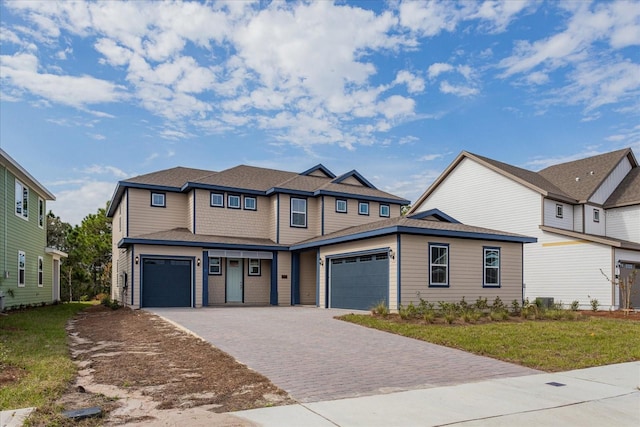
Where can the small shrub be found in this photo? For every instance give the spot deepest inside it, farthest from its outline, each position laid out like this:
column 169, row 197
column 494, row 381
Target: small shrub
column 106, row 301
column 594, row 303
column 404, row 312
column 429, row 316
column 481, row 303
column 498, row 305
column 575, row 305
column 84, row 298
column 515, row 307
column 449, row 317
column 380, row 309
column 558, row 306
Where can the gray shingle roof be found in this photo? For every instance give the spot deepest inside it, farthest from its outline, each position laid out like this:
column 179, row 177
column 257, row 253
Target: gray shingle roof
column 174, row 177
column 247, row 177
column 628, row 192
column 178, row 235
column 581, row 178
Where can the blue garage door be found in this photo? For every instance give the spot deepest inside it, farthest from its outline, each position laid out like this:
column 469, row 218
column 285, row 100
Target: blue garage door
column 166, row 283
column 359, row 282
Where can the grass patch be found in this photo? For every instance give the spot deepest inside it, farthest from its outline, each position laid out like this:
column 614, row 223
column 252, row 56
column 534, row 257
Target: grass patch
column 33, row 346
column 546, row 345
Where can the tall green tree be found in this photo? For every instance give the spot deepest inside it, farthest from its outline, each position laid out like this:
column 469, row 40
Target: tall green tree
column 57, row 232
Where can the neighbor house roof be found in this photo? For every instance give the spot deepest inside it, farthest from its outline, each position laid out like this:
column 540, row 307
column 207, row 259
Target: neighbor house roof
column 21, row 173
column 422, row 226
column 627, row 193
column 604, row 240
column 558, row 181
column 256, row 180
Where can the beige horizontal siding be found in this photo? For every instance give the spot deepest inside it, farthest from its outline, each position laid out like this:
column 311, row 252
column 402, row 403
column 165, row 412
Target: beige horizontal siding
column 465, row 270
column 222, row 221
column 308, row 268
column 383, row 243
column 289, row 234
column 256, row 289
column 334, row 221
column 146, row 219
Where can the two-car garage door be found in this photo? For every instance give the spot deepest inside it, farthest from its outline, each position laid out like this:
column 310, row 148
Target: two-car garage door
column 166, row 282
column 359, row 282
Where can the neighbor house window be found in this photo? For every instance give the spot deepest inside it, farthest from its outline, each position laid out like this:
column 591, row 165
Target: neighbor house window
column 250, row 203
column 384, row 210
column 298, row 212
column 22, row 200
column 217, row 200
column 40, row 213
column 363, row 208
column 558, row 211
column 40, row 271
column 341, row 206
column 491, row 267
column 158, row 200
column 254, row 267
column 233, row 202
column 596, row 215
column 438, row 265
column 214, row 266
column 22, row 261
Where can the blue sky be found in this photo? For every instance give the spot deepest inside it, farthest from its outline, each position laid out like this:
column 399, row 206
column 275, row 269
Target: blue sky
column 95, row 92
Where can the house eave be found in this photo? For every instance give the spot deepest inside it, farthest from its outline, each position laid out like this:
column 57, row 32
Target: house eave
column 603, row 240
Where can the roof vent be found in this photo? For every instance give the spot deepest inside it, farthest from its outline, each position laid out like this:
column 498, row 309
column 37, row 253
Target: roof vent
column 590, row 172
column 577, row 178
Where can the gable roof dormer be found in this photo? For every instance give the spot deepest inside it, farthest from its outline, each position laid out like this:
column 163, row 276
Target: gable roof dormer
column 319, row 170
column 434, row 215
column 350, row 177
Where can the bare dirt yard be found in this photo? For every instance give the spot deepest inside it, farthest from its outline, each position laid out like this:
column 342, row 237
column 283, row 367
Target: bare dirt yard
column 142, row 370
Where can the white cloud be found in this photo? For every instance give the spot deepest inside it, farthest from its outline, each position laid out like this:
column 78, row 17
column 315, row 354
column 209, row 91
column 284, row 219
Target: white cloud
column 97, row 136
column 102, row 170
column 458, row 90
column 430, row 157
column 74, row 205
column 438, row 68
column 414, row 83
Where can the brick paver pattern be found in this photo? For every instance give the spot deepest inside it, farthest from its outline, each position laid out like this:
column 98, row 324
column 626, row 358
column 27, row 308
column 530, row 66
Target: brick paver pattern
column 315, row 357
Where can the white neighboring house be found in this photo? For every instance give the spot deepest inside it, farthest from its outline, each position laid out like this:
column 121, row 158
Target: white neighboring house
column 585, row 215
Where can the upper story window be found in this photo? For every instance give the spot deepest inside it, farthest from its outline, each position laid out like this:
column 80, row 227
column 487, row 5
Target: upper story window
column 438, row 265
column 298, row 212
column 233, row 201
column 214, row 266
column 40, row 271
column 491, row 276
column 40, row 213
column 341, row 206
column 158, row 200
column 22, row 200
column 22, row 261
column 250, row 203
column 596, row 215
column 363, row 208
column 217, row 200
column 385, row 210
column 559, row 211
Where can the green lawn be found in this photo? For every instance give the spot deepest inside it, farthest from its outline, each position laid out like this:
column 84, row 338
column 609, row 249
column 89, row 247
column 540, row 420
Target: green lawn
column 35, row 342
column 546, row 345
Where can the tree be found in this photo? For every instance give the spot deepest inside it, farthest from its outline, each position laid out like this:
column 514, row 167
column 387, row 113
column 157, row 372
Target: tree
column 57, row 232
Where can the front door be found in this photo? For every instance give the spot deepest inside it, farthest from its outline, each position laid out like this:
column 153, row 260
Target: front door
column 234, row 279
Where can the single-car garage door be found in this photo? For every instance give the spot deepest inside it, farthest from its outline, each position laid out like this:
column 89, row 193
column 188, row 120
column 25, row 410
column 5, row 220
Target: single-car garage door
column 359, row 282
column 166, row 283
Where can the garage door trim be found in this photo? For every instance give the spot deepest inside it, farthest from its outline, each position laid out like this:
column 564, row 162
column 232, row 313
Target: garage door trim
column 191, row 259
column 328, row 258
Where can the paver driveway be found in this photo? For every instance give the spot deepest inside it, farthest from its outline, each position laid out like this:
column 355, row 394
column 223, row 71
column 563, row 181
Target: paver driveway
column 315, row 357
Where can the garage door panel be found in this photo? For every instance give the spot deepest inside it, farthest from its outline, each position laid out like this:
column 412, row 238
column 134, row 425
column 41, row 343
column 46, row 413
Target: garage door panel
column 359, row 282
column 166, row 283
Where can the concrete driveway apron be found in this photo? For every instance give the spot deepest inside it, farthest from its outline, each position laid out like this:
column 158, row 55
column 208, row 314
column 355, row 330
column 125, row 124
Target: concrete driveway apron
column 315, row 357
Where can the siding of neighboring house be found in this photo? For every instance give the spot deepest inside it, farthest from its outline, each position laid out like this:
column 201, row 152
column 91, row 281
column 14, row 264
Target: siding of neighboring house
column 578, row 224
column 466, row 259
column 232, row 222
column 145, row 218
column 26, row 236
column 592, row 227
column 624, row 223
column 308, row 265
column 150, row 251
column 383, row 243
column 611, row 182
column 284, row 278
column 550, row 218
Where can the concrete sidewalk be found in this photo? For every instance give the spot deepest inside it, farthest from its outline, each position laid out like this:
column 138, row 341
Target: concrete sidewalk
column 607, row 395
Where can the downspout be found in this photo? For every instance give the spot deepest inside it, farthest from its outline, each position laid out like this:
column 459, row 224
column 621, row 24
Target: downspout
column 322, row 216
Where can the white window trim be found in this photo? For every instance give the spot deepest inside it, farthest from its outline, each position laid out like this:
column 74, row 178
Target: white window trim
column 234, row 196
column 216, row 205
column 255, row 203
column 24, row 269
column 40, row 272
column 259, row 272
column 596, row 215
column 153, row 201
column 345, row 206
column 23, row 211
column 432, row 264
column 214, row 273
column 360, row 205
column 559, row 211
column 388, row 211
column 41, row 213
column 299, row 213
column 485, row 267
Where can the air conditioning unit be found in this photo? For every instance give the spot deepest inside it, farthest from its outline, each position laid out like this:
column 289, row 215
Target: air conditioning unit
column 544, row 302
